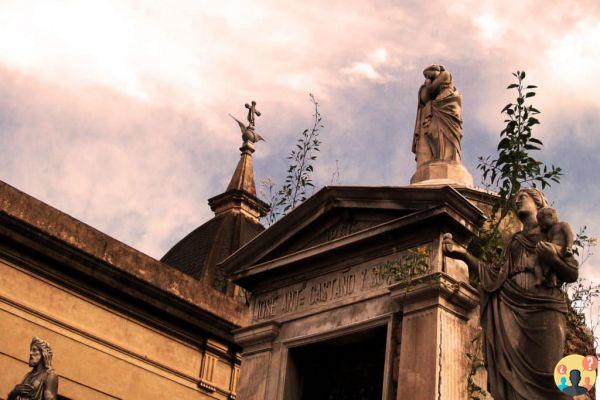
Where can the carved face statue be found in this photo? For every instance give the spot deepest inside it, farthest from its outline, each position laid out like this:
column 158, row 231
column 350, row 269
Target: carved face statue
column 35, row 356
column 431, row 74
column 525, row 205
column 546, row 218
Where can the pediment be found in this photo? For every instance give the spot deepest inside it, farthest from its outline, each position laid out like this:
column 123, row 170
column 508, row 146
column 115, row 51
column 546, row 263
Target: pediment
column 333, row 224
column 337, row 212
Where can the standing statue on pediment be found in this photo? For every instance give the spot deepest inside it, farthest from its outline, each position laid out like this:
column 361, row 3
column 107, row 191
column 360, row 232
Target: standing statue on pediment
column 41, row 383
column 438, row 128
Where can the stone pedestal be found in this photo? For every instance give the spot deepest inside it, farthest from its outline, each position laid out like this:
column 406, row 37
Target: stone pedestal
column 442, row 173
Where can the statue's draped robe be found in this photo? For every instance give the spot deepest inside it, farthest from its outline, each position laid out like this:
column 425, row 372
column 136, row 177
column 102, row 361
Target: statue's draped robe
column 37, row 380
column 438, row 128
column 524, row 325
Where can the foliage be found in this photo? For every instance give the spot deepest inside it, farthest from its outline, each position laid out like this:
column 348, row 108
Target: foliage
column 299, row 171
column 514, row 166
column 410, row 264
column 582, row 296
column 476, row 363
column 582, row 245
column 582, row 321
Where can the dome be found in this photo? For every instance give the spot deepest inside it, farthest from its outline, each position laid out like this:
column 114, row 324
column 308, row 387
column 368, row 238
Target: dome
column 236, row 222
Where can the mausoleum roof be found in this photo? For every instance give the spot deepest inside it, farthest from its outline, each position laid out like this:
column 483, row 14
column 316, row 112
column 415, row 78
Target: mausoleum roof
column 91, row 261
column 211, row 242
column 403, row 209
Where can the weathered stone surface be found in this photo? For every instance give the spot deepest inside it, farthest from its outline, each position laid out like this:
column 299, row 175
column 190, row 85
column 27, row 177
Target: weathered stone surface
column 47, row 220
column 442, row 173
column 311, row 288
column 438, row 131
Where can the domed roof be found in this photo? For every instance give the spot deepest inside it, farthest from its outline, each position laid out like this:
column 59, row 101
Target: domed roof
column 206, row 246
column 236, row 222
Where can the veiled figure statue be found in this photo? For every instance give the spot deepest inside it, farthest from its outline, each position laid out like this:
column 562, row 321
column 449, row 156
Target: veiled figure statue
column 523, row 320
column 41, row 383
column 438, row 128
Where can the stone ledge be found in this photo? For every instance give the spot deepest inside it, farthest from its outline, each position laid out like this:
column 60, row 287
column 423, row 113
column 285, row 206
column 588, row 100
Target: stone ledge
column 257, row 338
column 435, row 290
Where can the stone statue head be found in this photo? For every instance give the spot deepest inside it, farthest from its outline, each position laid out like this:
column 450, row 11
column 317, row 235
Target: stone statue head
column 528, row 201
column 40, row 351
column 432, row 71
column 546, row 218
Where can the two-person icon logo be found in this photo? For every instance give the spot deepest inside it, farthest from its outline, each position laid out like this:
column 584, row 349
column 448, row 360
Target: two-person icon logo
column 575, row 374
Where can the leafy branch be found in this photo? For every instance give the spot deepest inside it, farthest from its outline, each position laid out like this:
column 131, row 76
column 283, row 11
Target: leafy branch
column 299, row 171
column 514, row 166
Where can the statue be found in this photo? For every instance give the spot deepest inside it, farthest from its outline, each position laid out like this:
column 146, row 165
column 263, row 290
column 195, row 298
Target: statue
column 523, row 323
column 438, row 128
column 560, row 235
column 41, row 383
column 248, row 133
column 252, row 111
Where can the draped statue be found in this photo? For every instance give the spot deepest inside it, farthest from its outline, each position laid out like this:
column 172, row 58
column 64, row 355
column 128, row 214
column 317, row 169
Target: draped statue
column 438, row 128
column 523, row 307
column 41, row 383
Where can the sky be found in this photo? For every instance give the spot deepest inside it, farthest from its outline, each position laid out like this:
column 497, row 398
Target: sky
column 116, row 112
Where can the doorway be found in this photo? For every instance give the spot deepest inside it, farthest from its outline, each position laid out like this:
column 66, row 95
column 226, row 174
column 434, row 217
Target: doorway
column 348, row 367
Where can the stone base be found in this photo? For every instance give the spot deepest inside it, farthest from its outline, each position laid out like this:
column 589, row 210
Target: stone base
column 442, row 173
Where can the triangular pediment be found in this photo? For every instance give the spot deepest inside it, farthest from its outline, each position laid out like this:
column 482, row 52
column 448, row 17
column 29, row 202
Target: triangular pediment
column 337, row 212
column 334, row 223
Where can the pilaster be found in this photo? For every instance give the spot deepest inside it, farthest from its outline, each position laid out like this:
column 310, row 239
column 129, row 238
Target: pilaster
column 435, row 335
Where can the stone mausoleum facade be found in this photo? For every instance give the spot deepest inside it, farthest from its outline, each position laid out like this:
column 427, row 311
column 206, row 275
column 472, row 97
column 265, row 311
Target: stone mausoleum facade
column 302, row 310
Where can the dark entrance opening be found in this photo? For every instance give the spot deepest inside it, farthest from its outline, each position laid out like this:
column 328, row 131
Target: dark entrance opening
column 345, row 368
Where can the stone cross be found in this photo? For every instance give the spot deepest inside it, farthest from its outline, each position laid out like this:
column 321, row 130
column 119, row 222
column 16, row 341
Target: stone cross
column 252, row 111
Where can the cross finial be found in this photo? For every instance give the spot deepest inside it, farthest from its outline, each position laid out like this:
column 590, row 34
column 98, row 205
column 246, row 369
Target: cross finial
column 252, row 111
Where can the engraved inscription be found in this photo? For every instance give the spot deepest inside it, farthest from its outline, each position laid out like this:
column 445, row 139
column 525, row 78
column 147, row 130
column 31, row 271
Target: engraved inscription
column 325, row 289
column 265, row 307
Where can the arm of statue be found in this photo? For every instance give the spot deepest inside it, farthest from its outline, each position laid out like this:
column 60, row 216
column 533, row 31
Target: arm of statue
column 569, row 238
column 22, row 389
column 51, row 386
column 453, row 250
column 442, row 79
column 566, row 269
column 424, row 93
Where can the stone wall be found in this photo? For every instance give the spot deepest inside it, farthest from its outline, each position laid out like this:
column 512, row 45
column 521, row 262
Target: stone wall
column 100, row 353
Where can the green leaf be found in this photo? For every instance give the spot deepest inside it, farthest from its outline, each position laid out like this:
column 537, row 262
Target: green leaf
column 531, row 147
column 504, row 144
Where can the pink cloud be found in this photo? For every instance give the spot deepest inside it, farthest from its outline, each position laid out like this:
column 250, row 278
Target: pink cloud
column 116, row 111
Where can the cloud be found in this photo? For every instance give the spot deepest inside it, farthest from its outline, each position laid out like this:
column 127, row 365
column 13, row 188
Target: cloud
column 116, row 111
column 363, row 70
